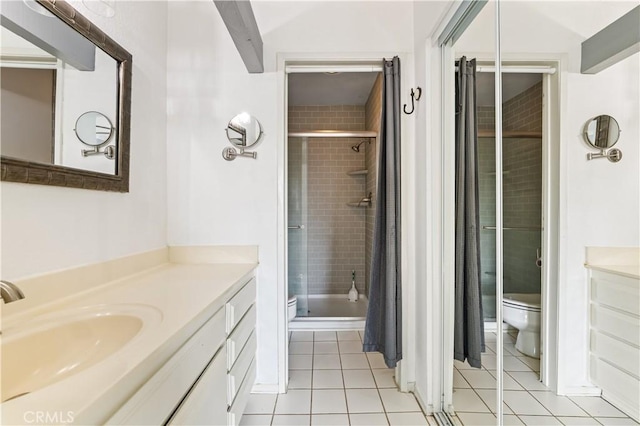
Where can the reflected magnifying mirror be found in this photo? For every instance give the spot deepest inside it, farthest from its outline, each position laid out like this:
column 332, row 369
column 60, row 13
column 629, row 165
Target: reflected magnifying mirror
column 95, row 129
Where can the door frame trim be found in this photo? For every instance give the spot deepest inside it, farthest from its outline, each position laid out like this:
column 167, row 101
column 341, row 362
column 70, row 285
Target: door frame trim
column 406, row 368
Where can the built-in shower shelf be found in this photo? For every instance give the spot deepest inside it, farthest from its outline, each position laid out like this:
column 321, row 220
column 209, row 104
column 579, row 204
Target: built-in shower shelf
column 360, row 204
column 358, row 172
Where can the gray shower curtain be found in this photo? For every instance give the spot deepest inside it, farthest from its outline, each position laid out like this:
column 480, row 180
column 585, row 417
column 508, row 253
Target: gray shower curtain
column 383, row 329
column 469, row 326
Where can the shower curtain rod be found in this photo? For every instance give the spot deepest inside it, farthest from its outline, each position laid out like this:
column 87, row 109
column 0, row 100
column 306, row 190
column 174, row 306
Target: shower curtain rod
column 514, row 69
column 334, row 134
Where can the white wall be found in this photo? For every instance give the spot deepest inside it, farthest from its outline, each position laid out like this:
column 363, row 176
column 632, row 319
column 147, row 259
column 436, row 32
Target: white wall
column 52, row 228
column 212, row 201
column 599, row 201
column 426, row 17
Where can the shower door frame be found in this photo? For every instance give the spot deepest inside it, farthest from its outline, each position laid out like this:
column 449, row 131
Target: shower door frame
column 319, row 323
column 345, row 62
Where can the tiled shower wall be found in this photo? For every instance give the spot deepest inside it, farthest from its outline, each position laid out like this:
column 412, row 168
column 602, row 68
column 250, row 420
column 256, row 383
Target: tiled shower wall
column 336, row 231
column 373, row 111
column 522, row 195
column 524, row 112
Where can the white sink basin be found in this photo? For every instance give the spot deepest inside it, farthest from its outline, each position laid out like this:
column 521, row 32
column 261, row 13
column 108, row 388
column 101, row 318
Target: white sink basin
column 53, row 348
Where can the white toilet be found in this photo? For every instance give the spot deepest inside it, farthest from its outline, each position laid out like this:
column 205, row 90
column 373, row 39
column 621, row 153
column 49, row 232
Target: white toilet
column 522, row 311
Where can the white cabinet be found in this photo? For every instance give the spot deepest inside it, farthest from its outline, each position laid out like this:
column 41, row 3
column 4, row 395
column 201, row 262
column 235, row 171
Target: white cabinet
column 615, row 339
column 208, row 380
column 204, row 405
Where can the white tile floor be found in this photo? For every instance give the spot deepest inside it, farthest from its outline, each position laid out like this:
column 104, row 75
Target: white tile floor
column 332, row 382
column 526, row 400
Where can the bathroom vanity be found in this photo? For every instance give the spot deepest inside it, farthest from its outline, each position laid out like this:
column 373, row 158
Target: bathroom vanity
column 171, row 344
column 208, row 380
column 614, row 361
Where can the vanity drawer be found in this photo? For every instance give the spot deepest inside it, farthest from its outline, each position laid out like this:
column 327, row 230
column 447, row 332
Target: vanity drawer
column 618, row 387
column 240, row 403
column 205, row 404
column 623, row 355
column 240, row 304
column 154, row 402
column 239, row 371
column 618, row 292
column 239, row 337
column 623, row 326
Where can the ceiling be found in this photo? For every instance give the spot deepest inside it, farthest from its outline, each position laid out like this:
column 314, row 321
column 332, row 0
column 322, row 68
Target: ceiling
column 346, row 88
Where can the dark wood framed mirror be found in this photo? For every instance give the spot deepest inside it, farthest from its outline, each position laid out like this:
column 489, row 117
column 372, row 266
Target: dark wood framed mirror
column 79, row 52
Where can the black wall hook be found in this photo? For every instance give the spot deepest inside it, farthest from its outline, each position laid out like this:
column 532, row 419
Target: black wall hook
column 415, row 96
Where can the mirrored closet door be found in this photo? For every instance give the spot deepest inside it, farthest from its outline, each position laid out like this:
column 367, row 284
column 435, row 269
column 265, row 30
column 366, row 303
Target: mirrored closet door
column 534, row 91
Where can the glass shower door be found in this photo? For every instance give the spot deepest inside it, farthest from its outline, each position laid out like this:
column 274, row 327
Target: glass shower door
column 297, row 224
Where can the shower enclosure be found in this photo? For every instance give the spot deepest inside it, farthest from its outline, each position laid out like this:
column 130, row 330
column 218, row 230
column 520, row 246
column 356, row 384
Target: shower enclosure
column 297, row 227
column 329, row 204
column 522, row 207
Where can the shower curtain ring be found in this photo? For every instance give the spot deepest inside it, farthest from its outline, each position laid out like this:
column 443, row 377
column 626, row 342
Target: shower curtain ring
column 414, row 97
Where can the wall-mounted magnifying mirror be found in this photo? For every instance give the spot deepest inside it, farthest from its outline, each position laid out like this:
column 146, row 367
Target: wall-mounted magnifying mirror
column 602, row 132
column 244, row 130
column 93, row 128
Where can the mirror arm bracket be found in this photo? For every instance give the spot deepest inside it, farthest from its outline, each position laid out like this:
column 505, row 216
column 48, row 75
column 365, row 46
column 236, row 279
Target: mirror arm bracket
column 614, row 155
column 230, row 153
column 109, row 152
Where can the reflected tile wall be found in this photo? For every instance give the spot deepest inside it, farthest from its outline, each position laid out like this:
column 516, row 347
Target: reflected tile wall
column 522, row 195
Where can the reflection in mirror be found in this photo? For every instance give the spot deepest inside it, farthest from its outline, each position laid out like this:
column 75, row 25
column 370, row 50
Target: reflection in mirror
column 93, row 128
column 602, row 132
column 244, row 130
column 42, row 95
column 472, row 110
column 55, row 69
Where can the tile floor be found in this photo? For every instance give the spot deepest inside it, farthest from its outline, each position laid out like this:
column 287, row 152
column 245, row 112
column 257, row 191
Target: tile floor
column 332, row 382
column 526, row 400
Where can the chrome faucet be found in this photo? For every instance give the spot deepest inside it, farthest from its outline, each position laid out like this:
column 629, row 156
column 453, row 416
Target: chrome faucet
column 9, row 292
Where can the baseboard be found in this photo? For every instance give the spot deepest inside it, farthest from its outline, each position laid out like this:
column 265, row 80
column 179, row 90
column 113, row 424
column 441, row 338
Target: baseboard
column 264, row 388
column 580, row 391
column 622, row 405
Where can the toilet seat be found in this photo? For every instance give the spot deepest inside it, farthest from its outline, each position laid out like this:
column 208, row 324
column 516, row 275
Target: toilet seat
column 528, row 302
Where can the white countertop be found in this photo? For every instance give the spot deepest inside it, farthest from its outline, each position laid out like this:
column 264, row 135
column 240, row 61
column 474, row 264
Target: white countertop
column 180, row 297
column 623, row 261
column 631, row 271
